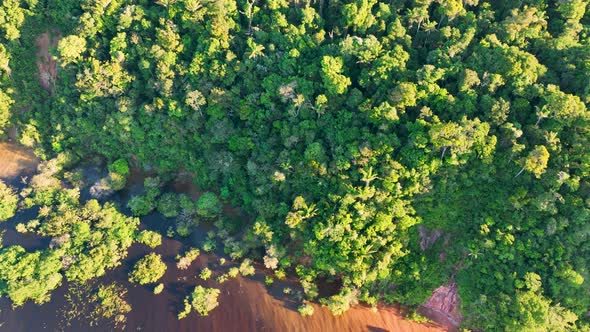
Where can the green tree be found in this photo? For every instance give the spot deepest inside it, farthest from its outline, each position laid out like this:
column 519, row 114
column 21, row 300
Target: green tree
column 141, row 205
column 168, row 205
column 8, row 201
column 71, row 48
column 536, row 161
column 149, row 238
column 5, row 105
column 28, row 276
column 334, row 81
column 208, row 205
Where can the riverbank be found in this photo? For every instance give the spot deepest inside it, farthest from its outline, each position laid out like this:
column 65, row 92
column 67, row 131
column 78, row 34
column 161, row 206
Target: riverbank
column 246, row 304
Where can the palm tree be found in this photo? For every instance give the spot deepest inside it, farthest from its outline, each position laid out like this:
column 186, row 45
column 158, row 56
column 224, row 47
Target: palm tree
column 255, row 49
column 165, row 3
column 310, row 211
column 368, row 176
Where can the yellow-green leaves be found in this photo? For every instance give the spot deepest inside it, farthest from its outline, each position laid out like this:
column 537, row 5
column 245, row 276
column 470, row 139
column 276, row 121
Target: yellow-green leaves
column 334, row 81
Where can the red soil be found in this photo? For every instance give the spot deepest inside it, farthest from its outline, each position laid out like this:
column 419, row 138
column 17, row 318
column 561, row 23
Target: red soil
column 443, row 306
column 46, row 63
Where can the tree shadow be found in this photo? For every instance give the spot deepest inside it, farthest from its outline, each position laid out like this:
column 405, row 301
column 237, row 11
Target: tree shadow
column 376, row 329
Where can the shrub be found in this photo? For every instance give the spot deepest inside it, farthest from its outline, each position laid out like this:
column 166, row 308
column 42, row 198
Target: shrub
column 71, row 48
column 268, row 280
column 233, row 272
column 185, row 261
column 209, row 245
column 246, row 268
column 305, row 309
column 340, row 303
column 184, row 229
column 158, row 289
column 187, row 205
column 205, row 274
column 186, row 309
column 111, row 304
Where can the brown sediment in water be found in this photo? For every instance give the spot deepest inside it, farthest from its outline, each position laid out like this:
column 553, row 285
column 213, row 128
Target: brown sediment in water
column 245, row 304
column 16, row 161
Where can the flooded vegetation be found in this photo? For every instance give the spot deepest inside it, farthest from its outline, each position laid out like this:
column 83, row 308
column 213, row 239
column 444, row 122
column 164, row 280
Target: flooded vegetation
column 326, row 158
column 245, row 303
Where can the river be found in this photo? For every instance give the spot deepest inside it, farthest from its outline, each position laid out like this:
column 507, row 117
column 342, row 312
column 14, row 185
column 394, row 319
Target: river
column 245, row 304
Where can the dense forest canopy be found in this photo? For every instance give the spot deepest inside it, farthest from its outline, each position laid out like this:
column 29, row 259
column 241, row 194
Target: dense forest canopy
column 341, row 127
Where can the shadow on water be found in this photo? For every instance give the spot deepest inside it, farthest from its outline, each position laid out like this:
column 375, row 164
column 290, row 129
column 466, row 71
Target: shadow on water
column 245, row 304
column 29, row 241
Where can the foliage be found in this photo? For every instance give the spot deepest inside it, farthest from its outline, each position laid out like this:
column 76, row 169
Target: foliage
column 205, row 274
column 141, row 205
column 306, row 309
column 148, row 269
column 168, row 205
column 111, row 303
column 339, row 128
column 158, row 289
column 203, row 300
column 120, row 166
column 29, row 276
column 8, row 201
column 208, row 205
column 87, row 240
column 149, row 238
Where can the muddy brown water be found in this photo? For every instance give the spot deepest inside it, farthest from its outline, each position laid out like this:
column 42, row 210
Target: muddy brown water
column 16, row 162
column 245, row 304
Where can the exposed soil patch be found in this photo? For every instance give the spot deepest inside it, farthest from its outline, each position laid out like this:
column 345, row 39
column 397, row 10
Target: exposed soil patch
column 443, row 307
column 46, row 64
